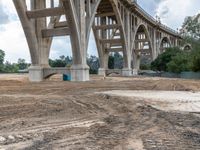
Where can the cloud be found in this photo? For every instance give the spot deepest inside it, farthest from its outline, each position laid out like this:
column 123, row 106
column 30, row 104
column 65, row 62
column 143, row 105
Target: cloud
column 3, row 15
column 173, row 13
column 13, row 42
column 149, row 6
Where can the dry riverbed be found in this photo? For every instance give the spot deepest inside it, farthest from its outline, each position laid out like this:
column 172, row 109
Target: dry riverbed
column 116, row 113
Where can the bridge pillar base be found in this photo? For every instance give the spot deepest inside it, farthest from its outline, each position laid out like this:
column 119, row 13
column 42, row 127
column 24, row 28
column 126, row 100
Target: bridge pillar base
column 135, row 72
column 126, row 72
column 102, row 72
column 36, row 74
column 80, row 73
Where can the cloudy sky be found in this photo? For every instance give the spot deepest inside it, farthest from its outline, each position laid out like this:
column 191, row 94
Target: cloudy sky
column 12, row 40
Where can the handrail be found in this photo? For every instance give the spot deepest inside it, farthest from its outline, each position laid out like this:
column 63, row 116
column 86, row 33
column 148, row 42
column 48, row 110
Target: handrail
column 152, row 19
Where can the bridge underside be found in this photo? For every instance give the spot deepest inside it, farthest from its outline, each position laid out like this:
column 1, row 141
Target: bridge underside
column 118, row 26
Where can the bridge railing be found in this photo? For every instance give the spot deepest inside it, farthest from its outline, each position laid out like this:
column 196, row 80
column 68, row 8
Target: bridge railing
column 152, row 19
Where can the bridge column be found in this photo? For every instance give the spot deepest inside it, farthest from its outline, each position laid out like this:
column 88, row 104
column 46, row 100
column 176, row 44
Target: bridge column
column 127, row 71
column 103, row 54
column 154, row 47
column 103, row 64
column 38, row 46
column 75, row 14
column 136, row 63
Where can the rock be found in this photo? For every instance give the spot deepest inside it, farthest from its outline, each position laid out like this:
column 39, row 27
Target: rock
column 2, row 139
column 11, row 137
column 19, row 136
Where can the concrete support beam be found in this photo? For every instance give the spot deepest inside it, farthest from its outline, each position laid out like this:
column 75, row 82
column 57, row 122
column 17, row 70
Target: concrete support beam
column 46, row 12
column 46, row 33
column 107, row 27
column 61, row 24
column 115, row 50
column 107, row 14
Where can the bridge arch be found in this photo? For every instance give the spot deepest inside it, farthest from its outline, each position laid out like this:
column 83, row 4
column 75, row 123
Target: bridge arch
column 164, row 43
column 187, row 47
column 114, row 22
column 142, row 46
column 109, row 32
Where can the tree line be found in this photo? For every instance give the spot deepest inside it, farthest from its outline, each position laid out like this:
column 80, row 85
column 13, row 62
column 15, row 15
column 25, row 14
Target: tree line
column 8, row 67
column 115, row 61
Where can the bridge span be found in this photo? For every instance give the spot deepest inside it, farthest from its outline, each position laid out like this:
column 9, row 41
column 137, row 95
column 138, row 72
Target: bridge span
column 118, row 26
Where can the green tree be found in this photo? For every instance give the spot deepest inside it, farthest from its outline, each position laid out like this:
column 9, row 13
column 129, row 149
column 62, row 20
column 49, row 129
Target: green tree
column 10, row 68
column 160, row 64
column 196, row 60
column 195, row 52
column 2, row 56
column 193, row 26
column 118, row 60
column 111, row 62
column 22, row 65
column 93, row 63
column 61, row 62
column 180, row 62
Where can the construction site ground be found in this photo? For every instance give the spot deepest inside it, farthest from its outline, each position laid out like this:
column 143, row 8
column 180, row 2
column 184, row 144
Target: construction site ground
column 115, row 113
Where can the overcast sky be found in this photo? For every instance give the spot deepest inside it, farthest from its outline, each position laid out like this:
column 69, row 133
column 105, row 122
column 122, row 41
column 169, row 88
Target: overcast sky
column 12, row 39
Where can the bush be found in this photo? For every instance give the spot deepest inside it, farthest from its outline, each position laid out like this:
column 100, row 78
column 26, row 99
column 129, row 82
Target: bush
column 160, row 64
column 179, row 63
column 196, row 61
column 145, row 67
column 176, row 61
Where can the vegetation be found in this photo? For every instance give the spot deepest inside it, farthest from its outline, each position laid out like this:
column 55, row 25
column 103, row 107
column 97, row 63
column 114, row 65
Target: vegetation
column 21, row 64
column 115, row 61
column 10, row 68
column 176, row 60
column 160, row 64
column 145, row 66
column 61, row 62
column 196, row 60
column 192, row 25
column 179, row 63
column 93, row 63
column 2, row 55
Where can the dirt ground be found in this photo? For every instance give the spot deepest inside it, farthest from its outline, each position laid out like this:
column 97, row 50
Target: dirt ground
column 74, row 116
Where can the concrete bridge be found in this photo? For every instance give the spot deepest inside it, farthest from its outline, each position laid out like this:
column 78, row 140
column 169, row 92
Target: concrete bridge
column 118, row 26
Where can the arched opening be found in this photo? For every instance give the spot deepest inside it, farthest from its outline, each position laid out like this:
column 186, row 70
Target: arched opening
column 92, row 55
column 142, row 52
column 58, row 77
column 187, row 48
column 115, row 60
column 108, row 36
column 164, row 44
column 60, row 57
